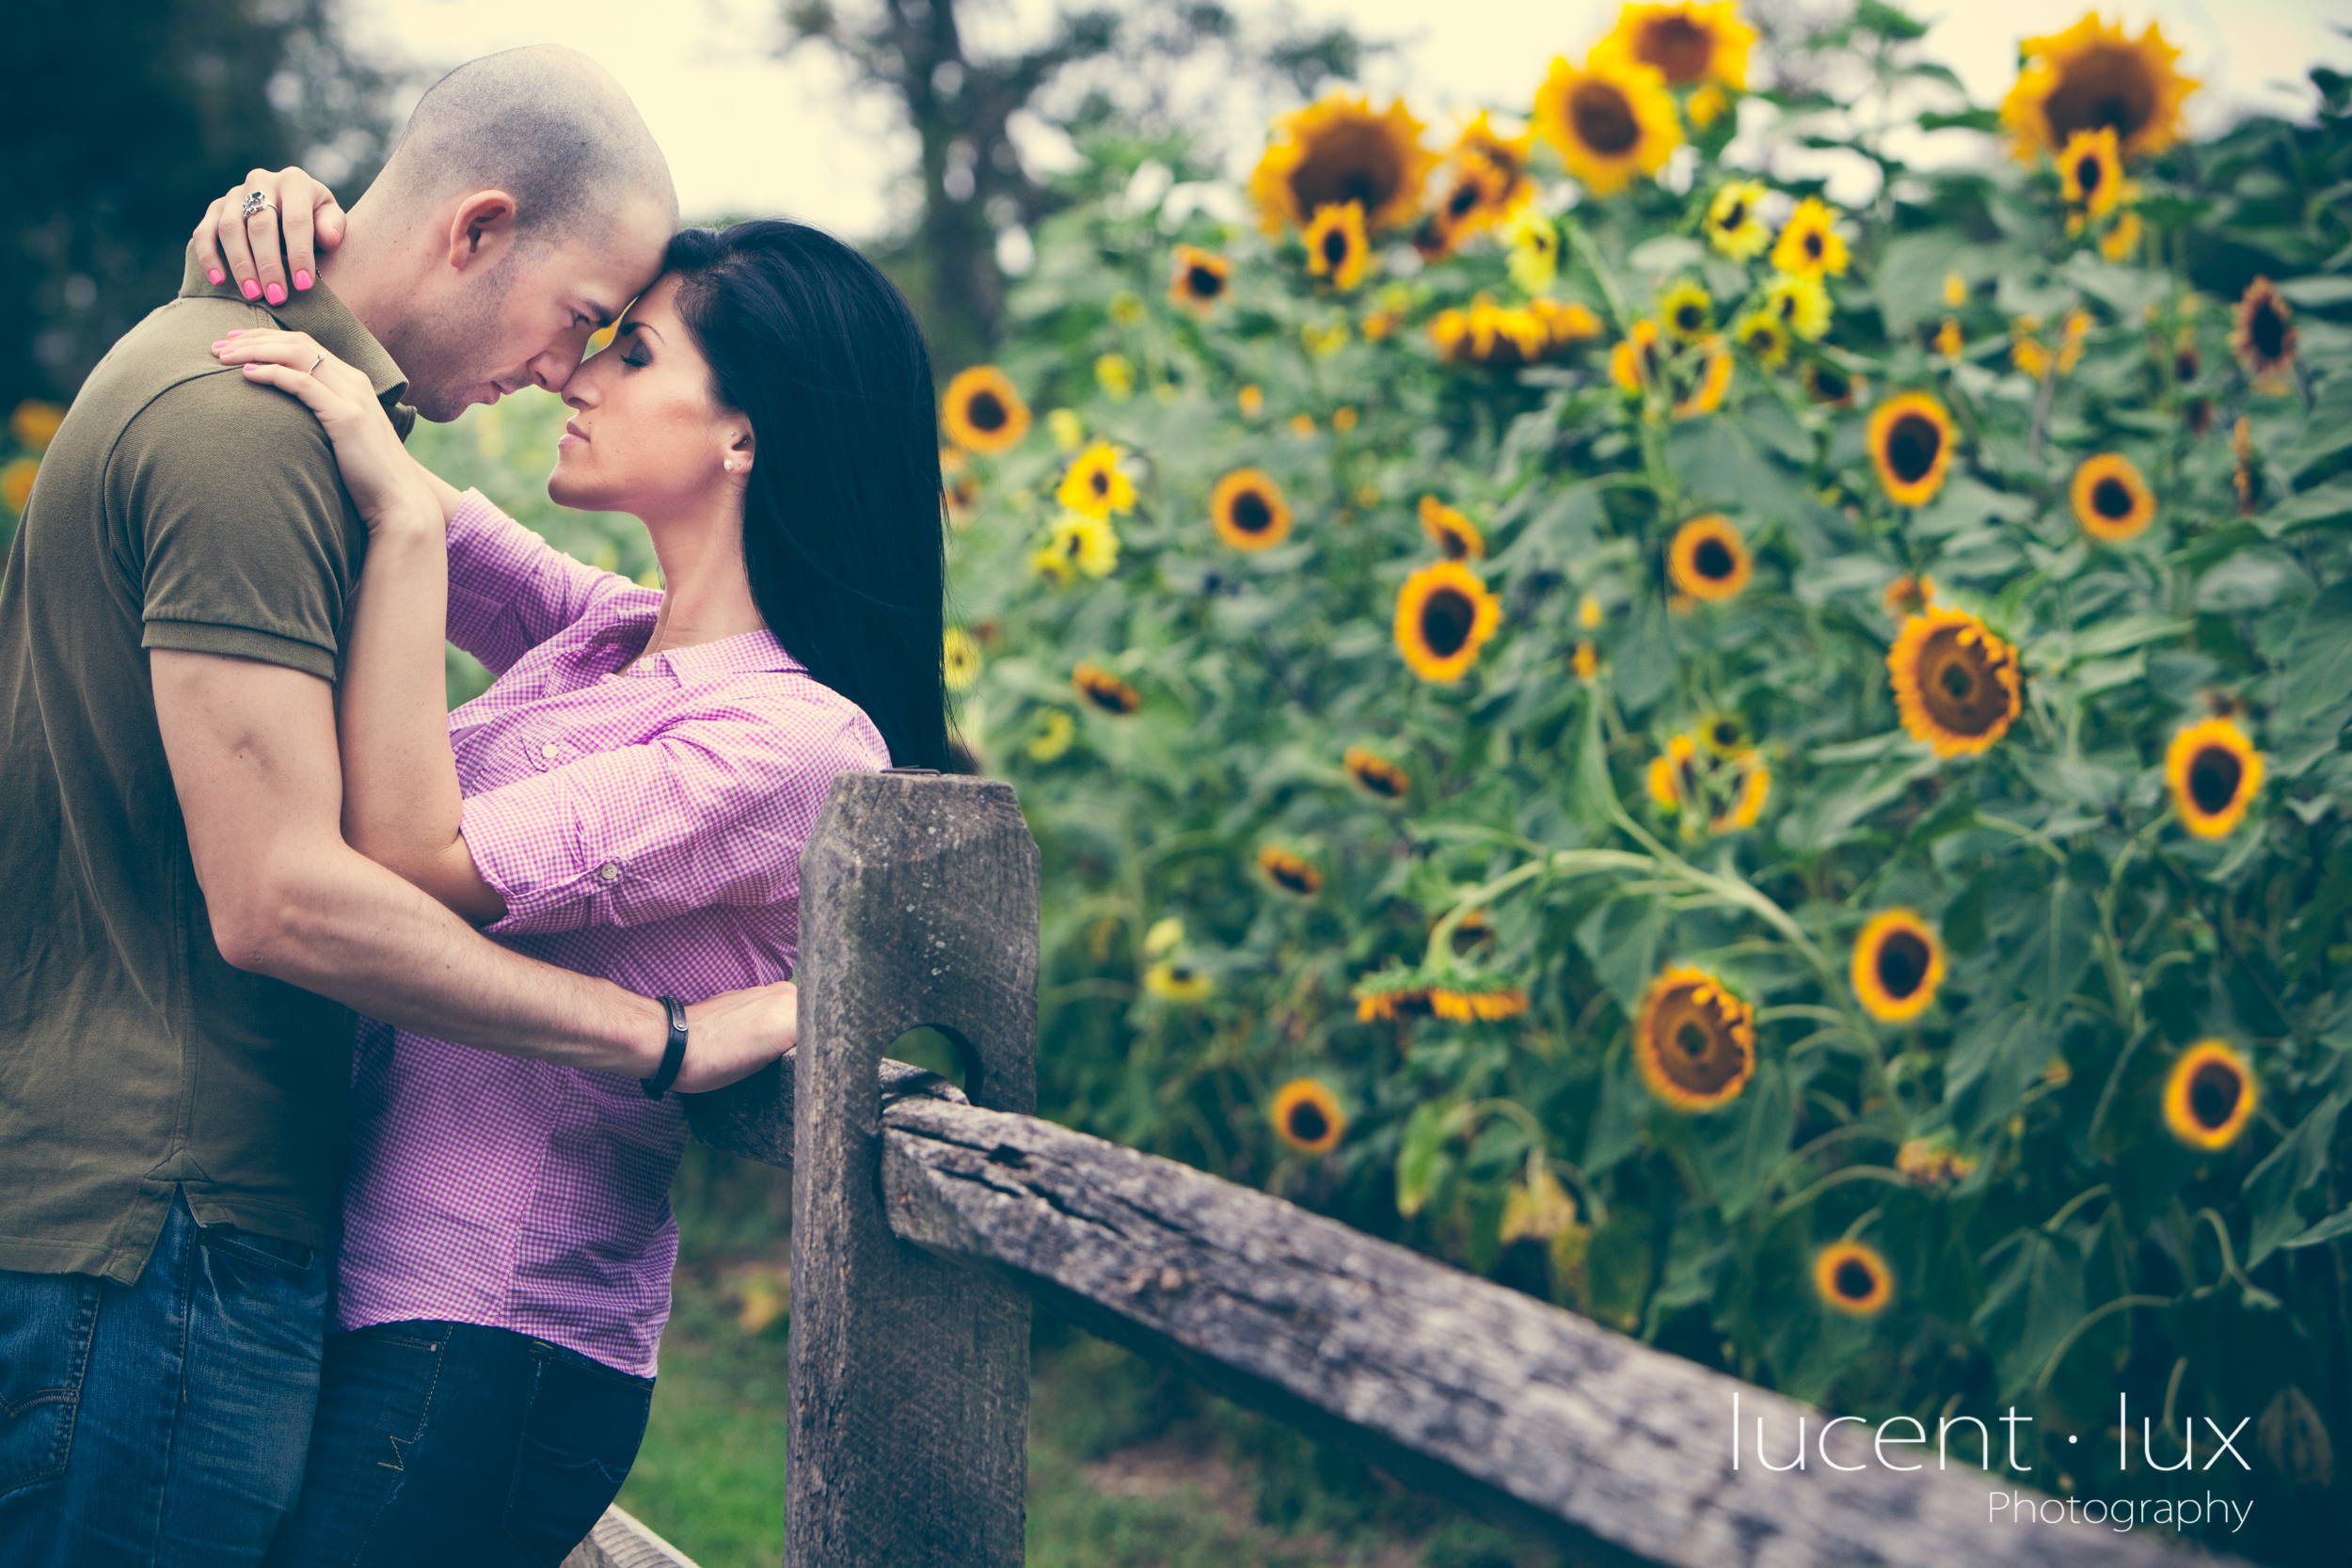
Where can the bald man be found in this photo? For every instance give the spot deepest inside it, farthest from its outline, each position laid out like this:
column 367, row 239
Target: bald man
column 185, row 933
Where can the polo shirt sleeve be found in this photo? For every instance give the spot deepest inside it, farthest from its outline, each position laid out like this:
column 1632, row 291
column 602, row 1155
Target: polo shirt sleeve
column 712, row 810
column 236, row 520
column 509, row 590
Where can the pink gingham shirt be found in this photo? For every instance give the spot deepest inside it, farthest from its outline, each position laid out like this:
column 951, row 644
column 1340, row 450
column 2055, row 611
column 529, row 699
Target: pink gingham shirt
column 643, row 827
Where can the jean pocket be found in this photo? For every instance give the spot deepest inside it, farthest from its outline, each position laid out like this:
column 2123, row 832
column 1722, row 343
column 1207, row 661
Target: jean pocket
column 580, row 1433
column 46, row 1324
column 273, row 1255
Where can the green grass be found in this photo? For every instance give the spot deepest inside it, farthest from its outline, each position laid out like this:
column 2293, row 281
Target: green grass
column 1129, row 1467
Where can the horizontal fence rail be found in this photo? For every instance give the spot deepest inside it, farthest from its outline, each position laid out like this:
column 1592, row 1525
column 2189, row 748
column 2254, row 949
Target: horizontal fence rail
column 1535, row 1417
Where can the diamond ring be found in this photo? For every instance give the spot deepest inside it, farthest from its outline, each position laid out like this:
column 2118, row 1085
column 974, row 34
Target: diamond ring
column 254, row 203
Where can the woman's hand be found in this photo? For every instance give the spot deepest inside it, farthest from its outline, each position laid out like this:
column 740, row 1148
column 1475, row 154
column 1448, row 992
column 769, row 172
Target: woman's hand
column 301, row 218
column 385, row 484
column 732, row 1035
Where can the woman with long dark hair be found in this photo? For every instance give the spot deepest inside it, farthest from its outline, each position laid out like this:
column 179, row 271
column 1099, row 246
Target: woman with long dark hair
column 629, row 797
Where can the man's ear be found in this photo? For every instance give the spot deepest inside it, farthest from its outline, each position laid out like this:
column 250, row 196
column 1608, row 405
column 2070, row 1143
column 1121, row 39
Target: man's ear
column 481, row 229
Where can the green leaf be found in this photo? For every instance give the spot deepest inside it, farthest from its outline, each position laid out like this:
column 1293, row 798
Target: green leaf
column 1621, row 938
column 1422, row 1163
column 2335, row 1225
column 2319, row 657
column 1743, row 1144
column 2031, row 1309
column 2318, row 293
column 2271, row 1187
column 2313, row 508
column 1994, row 1061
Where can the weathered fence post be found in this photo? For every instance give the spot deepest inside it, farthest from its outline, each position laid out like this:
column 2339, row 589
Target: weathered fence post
column 910, row 1371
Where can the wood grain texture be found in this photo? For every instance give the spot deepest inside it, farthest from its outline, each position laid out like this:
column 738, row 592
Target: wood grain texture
column 909, row 1372
column 620, row 1542
column 1535, row 1416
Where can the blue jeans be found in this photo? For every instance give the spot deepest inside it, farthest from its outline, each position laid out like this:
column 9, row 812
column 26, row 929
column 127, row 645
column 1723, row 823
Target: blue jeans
column 455, row 1445
column 160, row 1423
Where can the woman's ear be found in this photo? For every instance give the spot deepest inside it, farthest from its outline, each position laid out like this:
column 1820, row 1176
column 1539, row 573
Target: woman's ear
column 738, row 459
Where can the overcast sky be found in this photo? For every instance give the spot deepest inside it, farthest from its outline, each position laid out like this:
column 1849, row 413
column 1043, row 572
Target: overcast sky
column 749, row 133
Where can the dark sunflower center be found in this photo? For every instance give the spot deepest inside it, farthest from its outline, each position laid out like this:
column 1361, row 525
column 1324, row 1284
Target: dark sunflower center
column 2213, row 1094
column 1308, row 1123
column 1465, row 196
column 2267, row 330
column 1911, row 448
column 1902, row 964
column 2214, row 776
column 1813, row 245
column 1692, row 1039
column 1724, row 733
column 1695, row 1050
column 1679, row 47
column 1830, row 385
column 1734, row 215
column 2111, row 498
column 2088, row 173
column 2186, row 365
column 1299, row 878
column 985, row 411
column 1251, row 513
column 1355, row 161
column 1853, row 1281
column 1957, row 685
column 1446, row 620
column 1690, row 318
column 1203, row 282
column 1763, row 338
column 1713, row 560
column 2109, row 85
column 1380, row 779
column 1335, row 246
column 1450, row 543
column 1603, row 118
column 1180, row 974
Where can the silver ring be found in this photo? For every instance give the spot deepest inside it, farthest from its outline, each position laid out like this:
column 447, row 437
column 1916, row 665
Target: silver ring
column 316, row 363
column 254, row 203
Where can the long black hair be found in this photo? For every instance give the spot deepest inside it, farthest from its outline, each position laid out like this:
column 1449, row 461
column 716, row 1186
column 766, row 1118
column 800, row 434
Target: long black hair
column 842, row 528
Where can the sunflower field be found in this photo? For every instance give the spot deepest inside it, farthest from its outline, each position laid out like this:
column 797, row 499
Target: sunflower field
column 1769, row 773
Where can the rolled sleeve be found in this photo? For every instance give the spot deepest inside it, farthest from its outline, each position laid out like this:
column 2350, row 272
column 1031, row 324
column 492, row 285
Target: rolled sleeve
column 712, row 810
column 509, row 590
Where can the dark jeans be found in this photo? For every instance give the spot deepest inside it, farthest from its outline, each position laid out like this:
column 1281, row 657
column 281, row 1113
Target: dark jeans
column 160, row 1423
column 453, row 1445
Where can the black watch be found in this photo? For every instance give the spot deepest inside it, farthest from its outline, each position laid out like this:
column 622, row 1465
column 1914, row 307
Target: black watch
column 672, row 1056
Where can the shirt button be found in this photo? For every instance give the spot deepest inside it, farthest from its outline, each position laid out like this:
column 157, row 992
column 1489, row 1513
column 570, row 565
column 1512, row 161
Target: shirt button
column 609, row 872
column 549, row 752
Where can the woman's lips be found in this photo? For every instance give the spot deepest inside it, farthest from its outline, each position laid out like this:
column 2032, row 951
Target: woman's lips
column 571, row 433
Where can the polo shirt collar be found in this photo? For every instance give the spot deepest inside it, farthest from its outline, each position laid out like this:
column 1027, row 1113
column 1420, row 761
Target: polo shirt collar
column 326, row 319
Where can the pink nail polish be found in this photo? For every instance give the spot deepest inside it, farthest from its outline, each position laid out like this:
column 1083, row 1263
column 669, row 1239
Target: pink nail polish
column 250, row 288
column 302, row 281
column 277, row 294
column 232, row 332
column 217, row 275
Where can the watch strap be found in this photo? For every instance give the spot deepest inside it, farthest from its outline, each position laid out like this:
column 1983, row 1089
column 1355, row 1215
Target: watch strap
column 673, row 1054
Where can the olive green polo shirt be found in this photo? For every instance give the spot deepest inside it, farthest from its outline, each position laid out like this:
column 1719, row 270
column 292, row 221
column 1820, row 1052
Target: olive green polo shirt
column 180, row 506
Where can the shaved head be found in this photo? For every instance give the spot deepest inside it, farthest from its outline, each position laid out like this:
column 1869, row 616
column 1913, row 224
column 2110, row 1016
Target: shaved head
column 547, row 126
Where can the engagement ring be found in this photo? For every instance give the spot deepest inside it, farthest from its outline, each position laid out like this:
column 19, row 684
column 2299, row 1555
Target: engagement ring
column 316, row 363
column 254, row 203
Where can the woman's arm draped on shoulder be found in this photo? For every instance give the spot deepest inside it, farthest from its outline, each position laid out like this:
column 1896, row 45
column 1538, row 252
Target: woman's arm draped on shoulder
column 509, row 589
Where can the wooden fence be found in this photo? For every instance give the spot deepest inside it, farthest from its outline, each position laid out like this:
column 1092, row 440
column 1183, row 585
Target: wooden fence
column 928, row 1220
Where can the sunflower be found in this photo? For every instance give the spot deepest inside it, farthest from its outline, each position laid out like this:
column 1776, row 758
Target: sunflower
column 1930, row 1164
column 2111, row 502
column 1831, row 386
column 1336, row 152
column 2214, row 773
column 1609, row 120
column 1456, row 536
column 1956, row 684
column 959, row 660
column 1708, row 559
column 16, row 483
column 1488, row 180
column 1898, row 966
column 1376, row 774
column 2090, row 171
column 2026, row 350
column 1106, row 690
column 1911, row 446
column 1693, row 1041
column 1533, row 260
column 1686, row 43
column 1391, row 994
column 1808, row 246
column 1443, row 616
column 982, row 412
column 1082, row 544
column 1585, row 660
column 1734, row 226
column 1909, row 595
column 2092, row 76
column 2263, row 336
column 1250, row 399
column 2209, row 1096
column 1094, row 487
column 1765, row 337
column 1853, row 1278
column 1688, row 311
column 1056, row 731
column 1248, row 511
column 2247, row 480
column 1724, row 735
column 1307, row 1116
column 1201, row 280
column 1337, row 247
column 1714, row 381
column 1564, row 324
column 1173, row 980
column 1955, row 290
column 1465, row 1006
column 1802, row 303
column 1498, row 336
column 1948, row 341
column 2118, row 242
column 1634, row 361
column 1293, row 874
column 34, row 424
column 1673, row 778
column 1747, row 805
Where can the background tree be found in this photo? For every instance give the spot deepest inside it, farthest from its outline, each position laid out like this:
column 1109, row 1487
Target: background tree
column 122, row 120
column 1138, row 66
